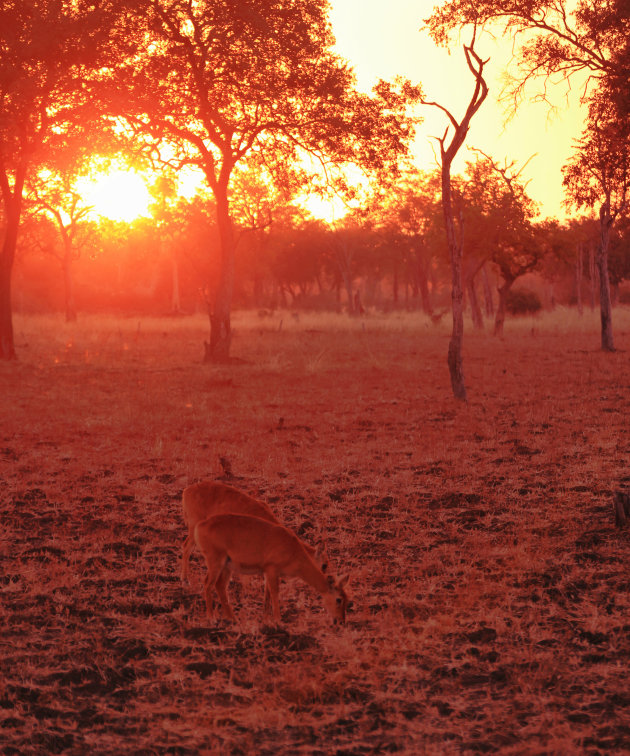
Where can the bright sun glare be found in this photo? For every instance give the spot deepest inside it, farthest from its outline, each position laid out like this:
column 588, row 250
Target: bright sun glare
column 119, row 195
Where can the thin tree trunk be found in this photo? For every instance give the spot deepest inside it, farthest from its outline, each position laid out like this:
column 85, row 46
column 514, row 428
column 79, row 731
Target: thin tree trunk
column 455, row 245
column 71, row 310
column 218, row 350
column 423, row 284
column 176, row 304
column 348, row 287
column 501, row 309
column 592, row 273
column 454, row 358
column 7, row 343
column 487, row 292
column 579, row 268
column 605, row 305
column 475, row 309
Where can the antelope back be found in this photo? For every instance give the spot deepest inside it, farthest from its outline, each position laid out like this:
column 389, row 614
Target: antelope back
column 209, row 498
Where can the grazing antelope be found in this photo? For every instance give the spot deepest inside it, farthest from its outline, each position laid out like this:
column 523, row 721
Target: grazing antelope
column 241, row 543
column 208, row 498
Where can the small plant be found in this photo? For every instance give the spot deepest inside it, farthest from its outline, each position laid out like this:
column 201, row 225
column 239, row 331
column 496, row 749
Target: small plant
column 523, row 302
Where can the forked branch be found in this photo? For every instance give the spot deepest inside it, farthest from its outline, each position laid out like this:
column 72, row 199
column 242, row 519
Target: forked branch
column 476, row 66
column 455, row 245
column 508, row 172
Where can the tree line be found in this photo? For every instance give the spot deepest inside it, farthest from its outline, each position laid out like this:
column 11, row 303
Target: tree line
column 174, row 84
column 254, row 97
column 389, row 253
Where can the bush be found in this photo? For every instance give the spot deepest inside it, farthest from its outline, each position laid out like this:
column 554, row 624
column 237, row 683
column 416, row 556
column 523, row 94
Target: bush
column 523, row 302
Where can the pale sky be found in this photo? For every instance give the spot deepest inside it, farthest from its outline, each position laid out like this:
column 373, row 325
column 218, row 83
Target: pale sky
column 382, row 39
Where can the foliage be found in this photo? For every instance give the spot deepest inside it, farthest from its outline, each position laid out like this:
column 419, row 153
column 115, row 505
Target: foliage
column 522, row 302
column 50, row 50
column 55, row 196
column 50, row 54
column 212, row 83
column 217, row 81
column 599, row 172
column 619, row 256
column 558, row 38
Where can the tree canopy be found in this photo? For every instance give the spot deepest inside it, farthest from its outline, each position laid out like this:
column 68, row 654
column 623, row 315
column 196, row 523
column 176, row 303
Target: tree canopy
column 553, row 37
column 212, row 81
column 49, row 52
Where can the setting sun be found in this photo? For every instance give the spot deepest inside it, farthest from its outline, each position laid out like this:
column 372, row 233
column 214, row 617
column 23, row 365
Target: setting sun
column 119, row 195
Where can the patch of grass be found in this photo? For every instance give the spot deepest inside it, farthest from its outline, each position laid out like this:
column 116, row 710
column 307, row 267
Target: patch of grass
column 490, row 586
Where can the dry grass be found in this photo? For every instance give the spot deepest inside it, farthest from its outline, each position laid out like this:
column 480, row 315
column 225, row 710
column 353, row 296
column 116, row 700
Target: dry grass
column 491, row 589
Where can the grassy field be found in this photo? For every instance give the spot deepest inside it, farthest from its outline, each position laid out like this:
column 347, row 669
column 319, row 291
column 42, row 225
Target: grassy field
column 491, row 589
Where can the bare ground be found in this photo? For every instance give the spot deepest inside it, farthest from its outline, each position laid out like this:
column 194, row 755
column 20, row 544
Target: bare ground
column 491, row 589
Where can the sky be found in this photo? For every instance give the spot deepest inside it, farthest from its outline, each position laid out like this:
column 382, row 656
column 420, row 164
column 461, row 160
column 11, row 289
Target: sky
column 383, row 39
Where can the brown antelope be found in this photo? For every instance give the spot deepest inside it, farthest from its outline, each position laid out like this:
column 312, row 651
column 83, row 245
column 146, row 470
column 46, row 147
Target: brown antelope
column 241, row 543
column 208, row 498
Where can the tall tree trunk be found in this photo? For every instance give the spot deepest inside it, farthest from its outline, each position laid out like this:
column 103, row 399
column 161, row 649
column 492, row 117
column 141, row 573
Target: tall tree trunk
column 7, row 344
column 349, row 295
column 605, row 305
column 176, row 302
column 487, row 292
column 579, row 270
column 423, row 283
column 475, row 309
column 455, row 245
column 454, row 358
column 503, row 290
column 71, row 310
column 592, row 273
column 218, row 350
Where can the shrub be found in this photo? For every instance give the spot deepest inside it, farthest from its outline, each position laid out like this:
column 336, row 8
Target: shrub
column 523, row 302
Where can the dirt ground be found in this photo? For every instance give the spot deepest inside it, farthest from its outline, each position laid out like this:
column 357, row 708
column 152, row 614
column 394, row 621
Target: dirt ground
column 491, row 589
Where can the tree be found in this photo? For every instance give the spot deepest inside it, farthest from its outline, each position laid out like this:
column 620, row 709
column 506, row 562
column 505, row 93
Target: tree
column 216, row 81
column 296, row 250
column 559, row 37
column 505, row 229
column 599, row 173
column 47, row 50
column 59, row 200
column 166, row 210
column 619, row 256
column 403, row 214
column 455, row 241
column 255, row 204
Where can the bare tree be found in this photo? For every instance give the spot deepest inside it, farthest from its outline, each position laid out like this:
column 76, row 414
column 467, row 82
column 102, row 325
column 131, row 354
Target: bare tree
column 455, row 240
